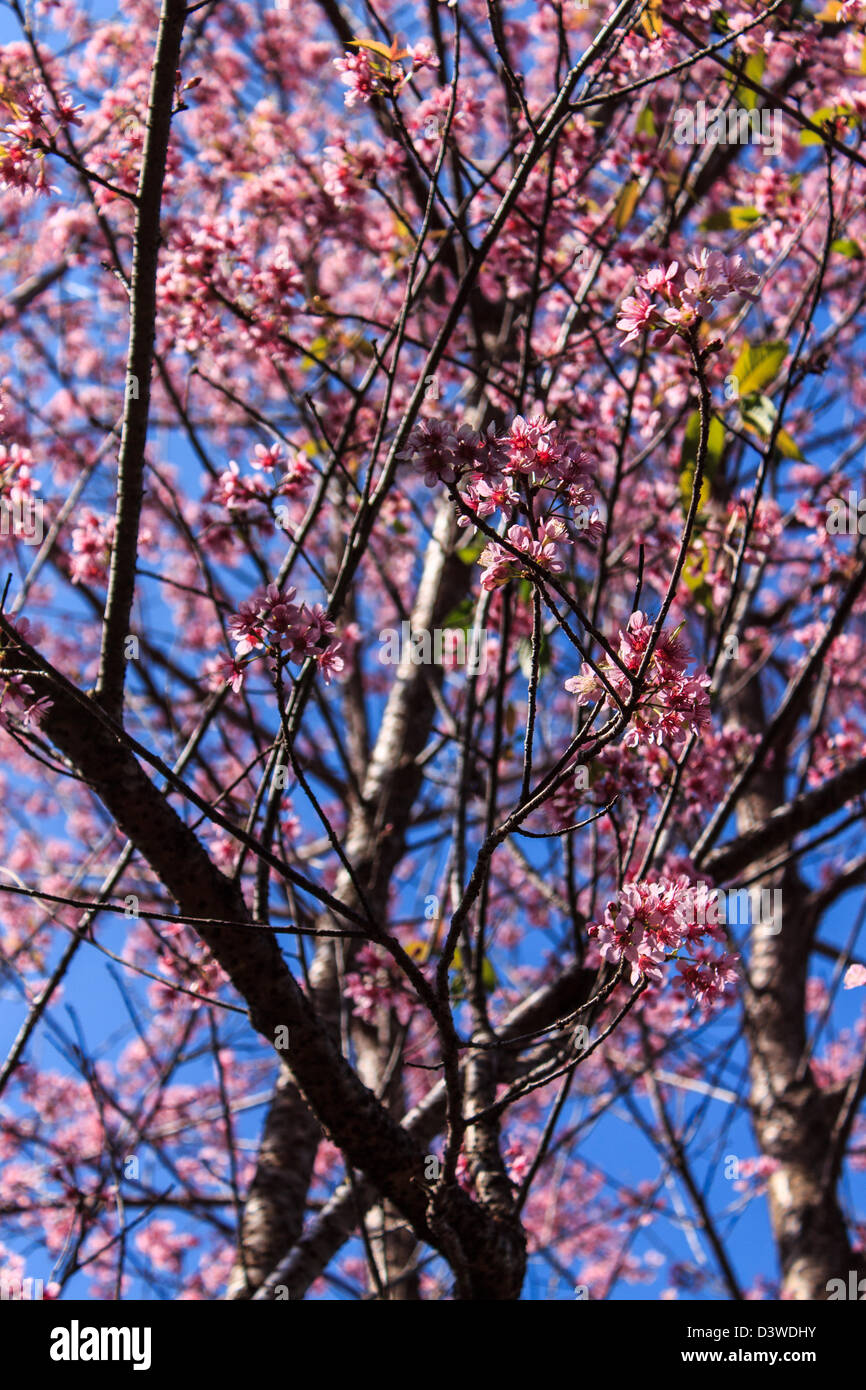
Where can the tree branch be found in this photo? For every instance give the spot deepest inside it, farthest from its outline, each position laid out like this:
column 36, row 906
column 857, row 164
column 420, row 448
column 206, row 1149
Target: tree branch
column 139, row 362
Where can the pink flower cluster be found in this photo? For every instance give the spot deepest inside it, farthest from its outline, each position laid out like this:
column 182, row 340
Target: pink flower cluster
column 359, row 76
column 486, row 467
column 444, row 452
column 364, row 80
column 651, row 923
column 752, row 1174
column 273, row 623
column 500, row 564
column 671, row 704
column 164, row 1246
column 256, row 498
column 17, row 483
column 239, row 494
column 709, row 279
column 36, row 121
column 91, row 548
column 211, row 260
column 375, row 986
column 349, row 169
column 18, row 699
column 535, row 449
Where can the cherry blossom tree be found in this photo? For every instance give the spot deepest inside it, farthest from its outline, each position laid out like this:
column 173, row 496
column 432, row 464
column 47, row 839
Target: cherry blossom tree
column 432, row 649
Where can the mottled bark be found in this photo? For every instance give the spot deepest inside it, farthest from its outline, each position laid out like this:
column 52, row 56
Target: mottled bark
column 273, row 1215
column 793, row 1119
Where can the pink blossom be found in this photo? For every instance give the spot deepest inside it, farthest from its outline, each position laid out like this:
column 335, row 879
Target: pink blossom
column 709, row 278
column 423, row 55
column 431, row 448
column 330, row 662
column 91, row 548
column 18, row 698
column 637, row 314
column 359, row 76
column 659, row 280
column 671, row 704
column 650, row 923
column 375, row 986
column 239, row 494
column 500, row 564
column 229, row 672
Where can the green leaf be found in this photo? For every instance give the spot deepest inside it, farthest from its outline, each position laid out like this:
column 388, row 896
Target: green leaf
column 695, row 572
column 758, row 414
column 696, row 567
column 689, row 457
column 525, row 590
column 461, row 617
column 824, row 113
column 788, row 447
column 626, row 204
column 845, row 246
column 645, row 123
column 393, row 54
column 469, row 553
column 458, row 981
column 319, row 346
column 359, row 345
column 754, row 70
column 731, row 219
column 758, row 365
